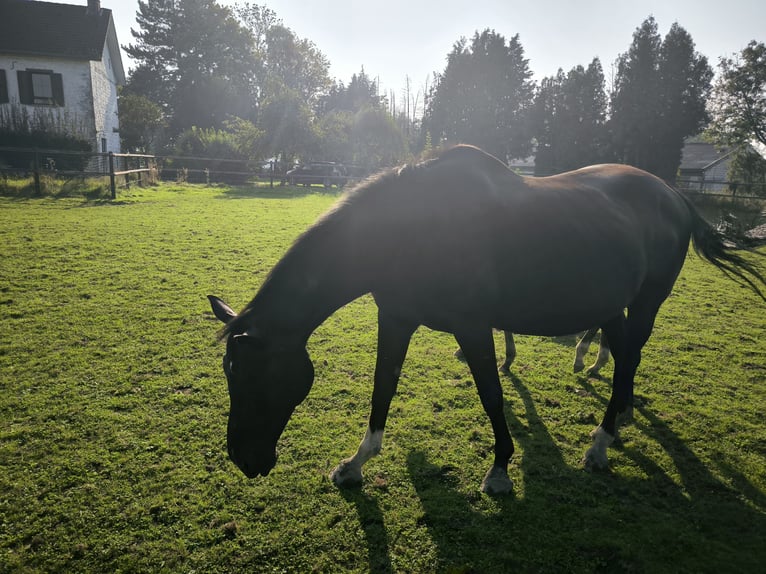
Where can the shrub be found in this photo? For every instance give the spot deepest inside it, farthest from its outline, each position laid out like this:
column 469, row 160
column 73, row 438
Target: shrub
column 229, row 151
column 43, row 130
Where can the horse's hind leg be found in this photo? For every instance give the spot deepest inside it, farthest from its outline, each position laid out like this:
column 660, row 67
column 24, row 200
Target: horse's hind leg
column 393, row 340
column 479, row 349
column 510, row 351
column 626, row 350
column 595, row 456
column 603, row 355
column 582, row 349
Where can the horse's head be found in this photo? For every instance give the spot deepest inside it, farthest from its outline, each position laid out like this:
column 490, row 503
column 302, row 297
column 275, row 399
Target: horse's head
column 267, row 380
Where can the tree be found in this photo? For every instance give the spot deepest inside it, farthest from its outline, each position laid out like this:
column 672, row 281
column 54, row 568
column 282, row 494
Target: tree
column 334, row 133
column 141, row 123
column 568, row 120
column 685, row 78
column 376, row 139
column 659, row 99
column 194, row 60
column 285, row 118
column 483, row 96
column 361, row 93
column 295, row 64
column 635, row 104
column 738, row 105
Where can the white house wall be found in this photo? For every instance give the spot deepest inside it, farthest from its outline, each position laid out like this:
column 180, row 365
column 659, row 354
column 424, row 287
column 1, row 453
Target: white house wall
column 77, row 111
column 105, row 102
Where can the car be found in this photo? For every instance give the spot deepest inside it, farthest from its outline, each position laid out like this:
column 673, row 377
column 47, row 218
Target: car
column 325, row 173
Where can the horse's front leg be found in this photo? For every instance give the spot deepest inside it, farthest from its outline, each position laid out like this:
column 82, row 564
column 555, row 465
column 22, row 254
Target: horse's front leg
column 479, row 350
column 393, row 340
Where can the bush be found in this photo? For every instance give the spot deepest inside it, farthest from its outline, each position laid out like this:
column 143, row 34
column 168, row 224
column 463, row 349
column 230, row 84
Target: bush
column 229, row 152
column 43, row 130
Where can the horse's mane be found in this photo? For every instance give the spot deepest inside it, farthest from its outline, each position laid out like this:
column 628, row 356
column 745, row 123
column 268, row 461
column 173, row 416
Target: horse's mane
column 402, row 176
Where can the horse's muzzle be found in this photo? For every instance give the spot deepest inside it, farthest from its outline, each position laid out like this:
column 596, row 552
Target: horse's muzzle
column 251, row 469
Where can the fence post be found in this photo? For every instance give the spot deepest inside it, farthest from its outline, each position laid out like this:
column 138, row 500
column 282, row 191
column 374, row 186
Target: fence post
column 36, row 167
column 271, row 174
column 112, row 182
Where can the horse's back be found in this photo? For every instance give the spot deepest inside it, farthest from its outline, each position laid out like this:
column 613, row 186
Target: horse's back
column 464, row 238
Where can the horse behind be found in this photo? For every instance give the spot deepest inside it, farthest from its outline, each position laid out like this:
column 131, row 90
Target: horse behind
column 583, row 344
column 461, row 244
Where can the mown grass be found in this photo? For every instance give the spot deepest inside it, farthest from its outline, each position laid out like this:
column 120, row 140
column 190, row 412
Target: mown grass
column 113, row 410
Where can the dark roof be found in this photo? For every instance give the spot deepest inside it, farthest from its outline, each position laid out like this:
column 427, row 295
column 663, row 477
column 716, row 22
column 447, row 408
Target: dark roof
column 48, row 29
column 702, row 155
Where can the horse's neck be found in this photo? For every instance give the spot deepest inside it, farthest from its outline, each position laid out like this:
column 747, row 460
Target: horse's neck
column 316, row 277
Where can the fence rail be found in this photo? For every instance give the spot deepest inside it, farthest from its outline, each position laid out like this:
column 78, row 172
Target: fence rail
column 37, row 162
column 60, row 163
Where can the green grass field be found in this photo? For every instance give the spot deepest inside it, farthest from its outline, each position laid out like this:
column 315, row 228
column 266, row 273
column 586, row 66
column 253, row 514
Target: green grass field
column 113, row 411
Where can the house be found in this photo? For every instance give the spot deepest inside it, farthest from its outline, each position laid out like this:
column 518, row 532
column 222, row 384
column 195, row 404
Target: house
column 705, row 166
column 64, row 60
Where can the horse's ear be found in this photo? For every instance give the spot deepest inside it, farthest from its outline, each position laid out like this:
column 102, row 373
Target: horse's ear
column 221, row 309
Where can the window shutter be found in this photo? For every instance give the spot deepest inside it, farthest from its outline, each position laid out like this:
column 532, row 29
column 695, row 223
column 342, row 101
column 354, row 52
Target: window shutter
column 25, row 87
column 3, row 88
column 57, row 86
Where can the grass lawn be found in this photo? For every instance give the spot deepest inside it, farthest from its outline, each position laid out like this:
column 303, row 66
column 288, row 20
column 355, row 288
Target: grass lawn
column 113, row 410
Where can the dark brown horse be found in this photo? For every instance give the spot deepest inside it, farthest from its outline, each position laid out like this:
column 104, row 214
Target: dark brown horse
column 462, row 244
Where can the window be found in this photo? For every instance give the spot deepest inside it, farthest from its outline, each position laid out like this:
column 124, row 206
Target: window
column 40, row 87
column 3, row 88
column 103, row 145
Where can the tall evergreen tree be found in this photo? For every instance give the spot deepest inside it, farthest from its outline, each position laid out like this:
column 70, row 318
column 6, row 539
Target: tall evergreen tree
column 685, row 78
column 483, row 96
column 635, row 109
column 194, row 60
column 659, row 99
column 568, row 119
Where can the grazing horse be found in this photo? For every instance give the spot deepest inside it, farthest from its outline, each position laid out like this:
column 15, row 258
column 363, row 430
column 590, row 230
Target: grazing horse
column 580, row 351
column 462, row 244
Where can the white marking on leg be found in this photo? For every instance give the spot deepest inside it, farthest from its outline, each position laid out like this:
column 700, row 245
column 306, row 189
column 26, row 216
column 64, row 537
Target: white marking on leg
column 370, row 446
column 349, row 471
column 595, row 456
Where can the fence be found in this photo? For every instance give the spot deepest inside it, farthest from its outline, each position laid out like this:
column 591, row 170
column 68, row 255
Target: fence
column 27, row 162
column 723, row 188
column 61, row 163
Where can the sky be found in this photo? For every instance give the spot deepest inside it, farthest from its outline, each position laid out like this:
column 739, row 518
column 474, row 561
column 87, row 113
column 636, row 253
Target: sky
column 396, row 39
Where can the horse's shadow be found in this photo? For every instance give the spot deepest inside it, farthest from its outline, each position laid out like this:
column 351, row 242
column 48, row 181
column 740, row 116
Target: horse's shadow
column 562, row 511
column 372, row 521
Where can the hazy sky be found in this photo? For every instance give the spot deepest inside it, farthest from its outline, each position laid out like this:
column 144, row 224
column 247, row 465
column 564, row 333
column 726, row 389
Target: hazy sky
column 393, row 39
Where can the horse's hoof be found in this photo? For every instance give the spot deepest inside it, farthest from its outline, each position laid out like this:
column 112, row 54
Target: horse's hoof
column 577, row 367
column 496, row 481
column 594, row 460
column 595, row 457
column 346, row 474
column 593, row 371
column 506, row 368
column 459, row 355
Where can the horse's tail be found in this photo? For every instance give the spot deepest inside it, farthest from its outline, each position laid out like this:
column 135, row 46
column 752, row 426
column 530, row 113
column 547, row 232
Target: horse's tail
column 710, row 244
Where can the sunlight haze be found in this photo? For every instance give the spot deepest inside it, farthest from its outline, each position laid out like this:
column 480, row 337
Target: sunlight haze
column 401, row 38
